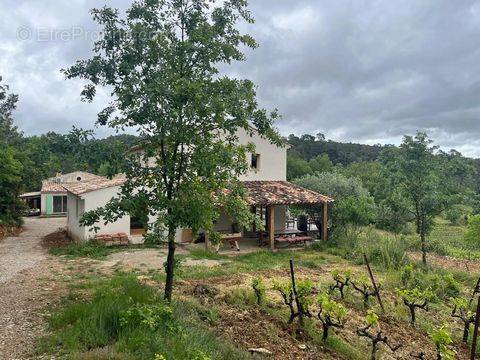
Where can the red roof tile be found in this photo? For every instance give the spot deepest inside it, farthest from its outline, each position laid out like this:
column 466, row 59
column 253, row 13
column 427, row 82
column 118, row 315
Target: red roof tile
column 281, row 193
column 84, row 187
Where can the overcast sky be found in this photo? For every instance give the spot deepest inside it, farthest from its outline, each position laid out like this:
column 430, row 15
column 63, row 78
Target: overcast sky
column 361, row 71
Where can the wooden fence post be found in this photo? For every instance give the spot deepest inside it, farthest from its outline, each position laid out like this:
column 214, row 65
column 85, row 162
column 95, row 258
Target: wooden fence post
column 377, row 292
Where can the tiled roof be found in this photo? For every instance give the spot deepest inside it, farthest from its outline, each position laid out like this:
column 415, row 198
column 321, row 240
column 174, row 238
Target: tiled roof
column 52, row 186
column 281, row 193
column 83, row 187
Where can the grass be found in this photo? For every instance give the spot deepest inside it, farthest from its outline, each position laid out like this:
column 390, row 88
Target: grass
column 129, row 318
column 90, row 249
column 256, row 261
column 447, row 239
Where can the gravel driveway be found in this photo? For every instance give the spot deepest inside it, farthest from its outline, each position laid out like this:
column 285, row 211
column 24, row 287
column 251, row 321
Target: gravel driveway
column 27, row 285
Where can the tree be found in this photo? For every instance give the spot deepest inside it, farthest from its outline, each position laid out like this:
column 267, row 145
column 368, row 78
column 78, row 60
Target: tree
column 461, row 309
column 353, row 204
column 10, row 165
column 321, row 163
column 472, row 235
column 296, row 166
column 161, row 62
column 414, row 170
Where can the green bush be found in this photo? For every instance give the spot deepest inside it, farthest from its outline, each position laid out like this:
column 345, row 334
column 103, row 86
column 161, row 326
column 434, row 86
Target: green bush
column 388, row 252
column 456, row 214
column 442, row 285
column 472, row 236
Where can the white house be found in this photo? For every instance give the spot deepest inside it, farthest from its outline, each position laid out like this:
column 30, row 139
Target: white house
column 269, row 194
column 54, row 196
column 51, row 200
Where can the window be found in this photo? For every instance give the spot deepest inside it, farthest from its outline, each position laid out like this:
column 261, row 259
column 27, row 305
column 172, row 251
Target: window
column 79, row 178
column 255, row 162
column 59, row 204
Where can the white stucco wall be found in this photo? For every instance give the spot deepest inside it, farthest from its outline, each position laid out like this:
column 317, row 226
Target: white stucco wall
column 76, row 208
column 273, row 159
column 99, row 198
column 91, row 201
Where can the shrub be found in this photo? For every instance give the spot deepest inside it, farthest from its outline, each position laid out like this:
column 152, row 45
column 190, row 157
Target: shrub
column 342, row 279
column 90, row 249
column 461, row 309
column 151, row 316
column 331, row 314
column 443, row 342
column 455, row 214
column 132, row 320
column 240, row 297
column 260, row 290
column 442, row 285
column 372, row 332
column 415, row 299
column 364, row 286
column 304, row 290
column 472, row 236
column 388, row 252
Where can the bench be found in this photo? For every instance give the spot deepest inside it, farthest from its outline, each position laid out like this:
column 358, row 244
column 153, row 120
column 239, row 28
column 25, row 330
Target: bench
column 293, row 240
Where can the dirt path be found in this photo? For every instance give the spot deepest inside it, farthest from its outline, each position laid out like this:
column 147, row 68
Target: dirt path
column 28, row 284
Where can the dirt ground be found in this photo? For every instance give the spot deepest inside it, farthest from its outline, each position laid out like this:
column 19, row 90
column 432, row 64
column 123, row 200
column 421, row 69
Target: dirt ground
column 28, row 284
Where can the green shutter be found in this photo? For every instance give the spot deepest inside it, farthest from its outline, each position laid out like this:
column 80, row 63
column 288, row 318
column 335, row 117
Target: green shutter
column 49, row 204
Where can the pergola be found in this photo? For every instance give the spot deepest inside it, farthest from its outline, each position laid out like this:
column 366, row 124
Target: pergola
column 269, row 194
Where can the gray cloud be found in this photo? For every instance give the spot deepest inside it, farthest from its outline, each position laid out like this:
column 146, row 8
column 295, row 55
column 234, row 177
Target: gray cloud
column 367, row 71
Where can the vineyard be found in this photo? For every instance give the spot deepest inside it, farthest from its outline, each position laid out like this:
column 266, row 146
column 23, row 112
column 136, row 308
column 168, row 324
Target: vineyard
column 314, row 303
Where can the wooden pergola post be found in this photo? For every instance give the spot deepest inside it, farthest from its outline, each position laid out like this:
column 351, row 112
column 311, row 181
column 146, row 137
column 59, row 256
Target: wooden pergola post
column 325, row 221
column 271, row 225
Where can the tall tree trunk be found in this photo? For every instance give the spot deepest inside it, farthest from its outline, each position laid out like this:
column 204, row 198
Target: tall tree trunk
column 170, row 265
column 424, row 247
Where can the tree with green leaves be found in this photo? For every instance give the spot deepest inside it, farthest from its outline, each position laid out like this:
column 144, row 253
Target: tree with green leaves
column 472, row 235
column 354, row 207
column 413, row 170
column 321, row 163
column 11, row 168
column 161, row 61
